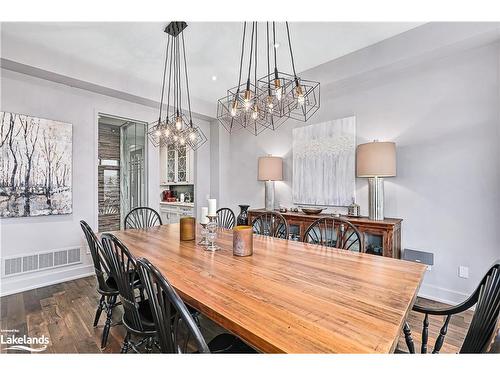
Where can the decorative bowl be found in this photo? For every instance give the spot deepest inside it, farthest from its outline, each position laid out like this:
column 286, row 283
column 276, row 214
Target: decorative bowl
column 311, row 210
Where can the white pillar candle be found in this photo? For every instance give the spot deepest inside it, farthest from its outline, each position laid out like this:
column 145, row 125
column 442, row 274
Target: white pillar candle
column 212, row 207
column 204, row 213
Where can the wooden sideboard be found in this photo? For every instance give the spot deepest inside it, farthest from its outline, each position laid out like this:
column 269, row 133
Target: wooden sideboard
column 380, row 237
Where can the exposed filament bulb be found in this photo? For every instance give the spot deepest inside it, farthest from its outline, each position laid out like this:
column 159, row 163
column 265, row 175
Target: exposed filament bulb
column 278, row 90
column 255, row 113
column 234, row 108
column 270, row 104
column 246, row 100
column 300, row 95
column 178, row 123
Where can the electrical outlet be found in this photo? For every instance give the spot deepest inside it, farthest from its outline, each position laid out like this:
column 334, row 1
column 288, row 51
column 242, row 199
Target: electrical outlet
column 463, row 272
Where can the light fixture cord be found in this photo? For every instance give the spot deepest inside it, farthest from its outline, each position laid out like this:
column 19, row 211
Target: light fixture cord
column 255, row 63
column 251, row 52
column 174, row 85
column 268, row 61
column 187, row 80
column 291, row 53
column 242, row 52
column 255, row 80
column 169, row 77
column 179, row 81
column 177, row 75
column 274, row 48
column 163, row 81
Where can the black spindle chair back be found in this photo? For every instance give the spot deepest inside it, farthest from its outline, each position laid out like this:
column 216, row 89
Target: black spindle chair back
column 98, row 256
column 484, row 323
column 334, row 232
column 142, row 217
column 123, row 269
column 271, row 224
column 168, row 310
column 105, row 282
column 226, row 218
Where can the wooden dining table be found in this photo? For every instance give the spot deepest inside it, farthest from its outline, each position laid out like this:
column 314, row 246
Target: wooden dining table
column 288, row 297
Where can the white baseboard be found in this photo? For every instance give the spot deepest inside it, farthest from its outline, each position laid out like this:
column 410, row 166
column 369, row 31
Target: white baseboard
column 19, row 284
column 435, row 293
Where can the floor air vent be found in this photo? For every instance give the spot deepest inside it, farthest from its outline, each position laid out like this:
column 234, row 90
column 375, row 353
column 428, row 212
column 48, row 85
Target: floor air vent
column 40, row 261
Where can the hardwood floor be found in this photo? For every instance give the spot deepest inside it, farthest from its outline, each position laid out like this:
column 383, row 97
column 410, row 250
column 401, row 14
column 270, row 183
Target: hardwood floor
column 456, row 330
column 65, row 312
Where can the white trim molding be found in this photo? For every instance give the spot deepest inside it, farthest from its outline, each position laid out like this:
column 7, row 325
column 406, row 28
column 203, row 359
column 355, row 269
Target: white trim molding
column 22, row 283
column 435, row 293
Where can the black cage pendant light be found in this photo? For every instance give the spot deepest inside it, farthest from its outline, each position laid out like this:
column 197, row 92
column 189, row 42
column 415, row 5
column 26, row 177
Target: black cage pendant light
column 176, row 128
column 241, row 108
column 266, row 103
column 291, row 96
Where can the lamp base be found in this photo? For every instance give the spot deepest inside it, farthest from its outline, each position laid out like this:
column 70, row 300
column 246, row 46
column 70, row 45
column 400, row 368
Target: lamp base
column 269, row 196
column 376, row 198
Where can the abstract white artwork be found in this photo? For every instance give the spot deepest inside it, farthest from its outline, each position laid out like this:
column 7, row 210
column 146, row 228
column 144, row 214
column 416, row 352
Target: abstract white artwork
column 35, row 166
column 324, row 163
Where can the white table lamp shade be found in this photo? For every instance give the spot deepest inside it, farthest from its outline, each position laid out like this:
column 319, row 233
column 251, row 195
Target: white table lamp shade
column 376, row 159
column 270, row 168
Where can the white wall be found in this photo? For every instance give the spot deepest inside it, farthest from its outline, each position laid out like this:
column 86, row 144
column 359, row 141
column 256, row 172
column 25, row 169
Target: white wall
column 443, row 113
column 42, row 98
column 202, row 169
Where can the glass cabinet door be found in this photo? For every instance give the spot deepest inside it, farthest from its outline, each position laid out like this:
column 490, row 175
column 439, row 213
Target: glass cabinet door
column 374, row 243
column 294, row 231
column 182, row 164
column 170, row 163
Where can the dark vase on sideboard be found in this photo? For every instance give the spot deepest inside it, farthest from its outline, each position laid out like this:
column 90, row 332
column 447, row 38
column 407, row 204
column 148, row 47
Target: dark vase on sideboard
column 242, row 218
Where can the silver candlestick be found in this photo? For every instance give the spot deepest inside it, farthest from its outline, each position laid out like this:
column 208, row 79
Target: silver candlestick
column 212, row 233
column 204, row 233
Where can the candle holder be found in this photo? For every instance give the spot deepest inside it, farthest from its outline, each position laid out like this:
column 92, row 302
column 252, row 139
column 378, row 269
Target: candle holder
column 204, row 232
column 212, row 233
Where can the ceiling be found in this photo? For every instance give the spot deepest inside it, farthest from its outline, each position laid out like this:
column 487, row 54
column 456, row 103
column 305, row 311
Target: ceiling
column 135, row 51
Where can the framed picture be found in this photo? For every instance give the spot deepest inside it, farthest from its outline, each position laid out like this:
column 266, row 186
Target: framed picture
column 35, row 166
column 324, row 157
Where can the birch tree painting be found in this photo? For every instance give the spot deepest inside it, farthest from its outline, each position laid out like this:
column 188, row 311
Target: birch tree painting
column 324, row 163
column 35, row 166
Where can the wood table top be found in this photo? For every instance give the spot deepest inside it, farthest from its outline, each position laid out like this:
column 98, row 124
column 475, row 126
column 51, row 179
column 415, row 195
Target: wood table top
column 288, row 297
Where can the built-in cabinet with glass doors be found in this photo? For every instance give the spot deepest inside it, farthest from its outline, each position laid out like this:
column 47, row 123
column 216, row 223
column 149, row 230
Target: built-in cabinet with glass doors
column 176, row 165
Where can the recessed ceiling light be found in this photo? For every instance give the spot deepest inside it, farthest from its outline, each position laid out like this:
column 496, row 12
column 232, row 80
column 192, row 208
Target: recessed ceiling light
column 276, row 45
column 214, row 78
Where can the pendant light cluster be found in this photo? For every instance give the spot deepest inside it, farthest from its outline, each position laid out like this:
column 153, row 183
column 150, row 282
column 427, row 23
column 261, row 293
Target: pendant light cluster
column 265, row 103
column 176, row 128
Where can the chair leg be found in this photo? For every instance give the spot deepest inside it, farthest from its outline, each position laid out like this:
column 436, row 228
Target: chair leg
column 109, row 314
column 149, row 345
column 99, row 311
column 196, row 317
column 125, row 343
